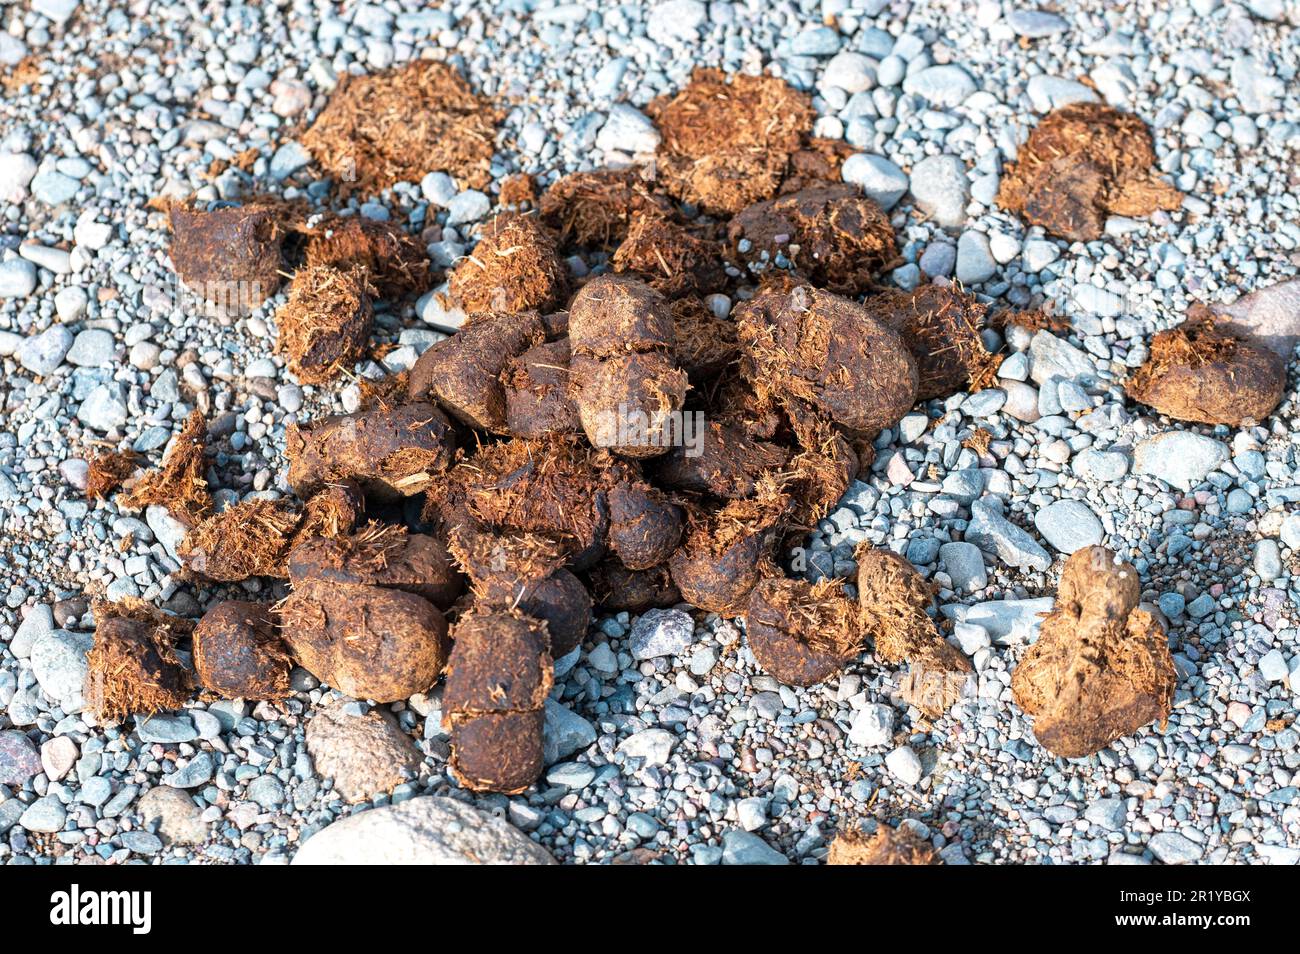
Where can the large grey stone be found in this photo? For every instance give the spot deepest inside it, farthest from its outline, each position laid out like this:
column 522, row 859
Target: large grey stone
column 941, row 189
column 879, row 179
column 429, row 830
column 993, row 533
column 58, row 660
column 1181, row 459
column 1068, row 525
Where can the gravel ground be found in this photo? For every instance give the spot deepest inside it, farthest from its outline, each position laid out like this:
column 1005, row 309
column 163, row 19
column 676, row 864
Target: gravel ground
column 666, row 741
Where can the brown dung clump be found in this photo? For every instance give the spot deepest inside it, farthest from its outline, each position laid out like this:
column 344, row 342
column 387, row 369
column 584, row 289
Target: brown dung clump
column 813, row 353
column 624, row 378
column 705, row 344
column 229, row 256
column 941, row 328
column 366, row 641
column 132, row 667
column 1101, row 667
column 515, row 267
column 616, row 589
column 391, row 452
column 799, row 632
column 238, row 655
column 395, row 126
column 728, row 463
column 396, row 264
column 325, row 325
column 250, row 538
column 180, row 484
column 645, row 527
column 594, row 209
column 536, row 387
column 829, row 232
column 888, row 846
column 669, row 258
column 1083, row 162
column 1204, row 373
column 463, row 372
column 498, row 678
column 380, row 555
column 893, row 599
column 726, row 552
column 818, row 161
column 727, row 141
column 107, row 471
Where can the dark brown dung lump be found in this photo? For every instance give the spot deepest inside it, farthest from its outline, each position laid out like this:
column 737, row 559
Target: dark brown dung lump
column 888, row 846
column 645, row 527
column 379, row 555
column 594, row 209
column 463, row 373
column 623, row 375
column 325, row 325
column 238, row 655
column 395, row 126
column 728, row 463
column 829, row 232
column 727, row 552
column 132, row 667
column 941, row 327
column 812, row 352
column 366, row 641
column 395, row 263
column 229, row 256
column 1204, row 373
column 727, row 140
column 391, row 452
column 801, row 633
column 705, row 344
column 1083, row 162
column 558, row 599
column 615, row 588
column 669, row 258
column 515, row 267
column 1101, row 667
column 498, row 678
column 536, row 387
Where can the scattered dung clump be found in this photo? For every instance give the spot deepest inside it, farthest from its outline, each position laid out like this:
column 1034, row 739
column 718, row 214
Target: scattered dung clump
column 366, row 641
column 1101, row 668
column 515, row 267
column 624, row 378
column 463, row 372
column 727, row 141
column 941, row 327
column 107, row 471
column 830, row 233
column 888, row 846
column 228, row 256
column 616, row 589
column 325, row 325
column 391, row 452
column 498, row 678
column 802, row 633
column 1083, row 162
column 380, row 555
column 238, row 655
column 594, row 209
column 133, row 667
column 395, row 263
column 394, row 126
column 180, row 484
column 1202, row 372
column 536, row 387
column 669, row 258
column 893, row 598
column 816, row 354
column 250, row 538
